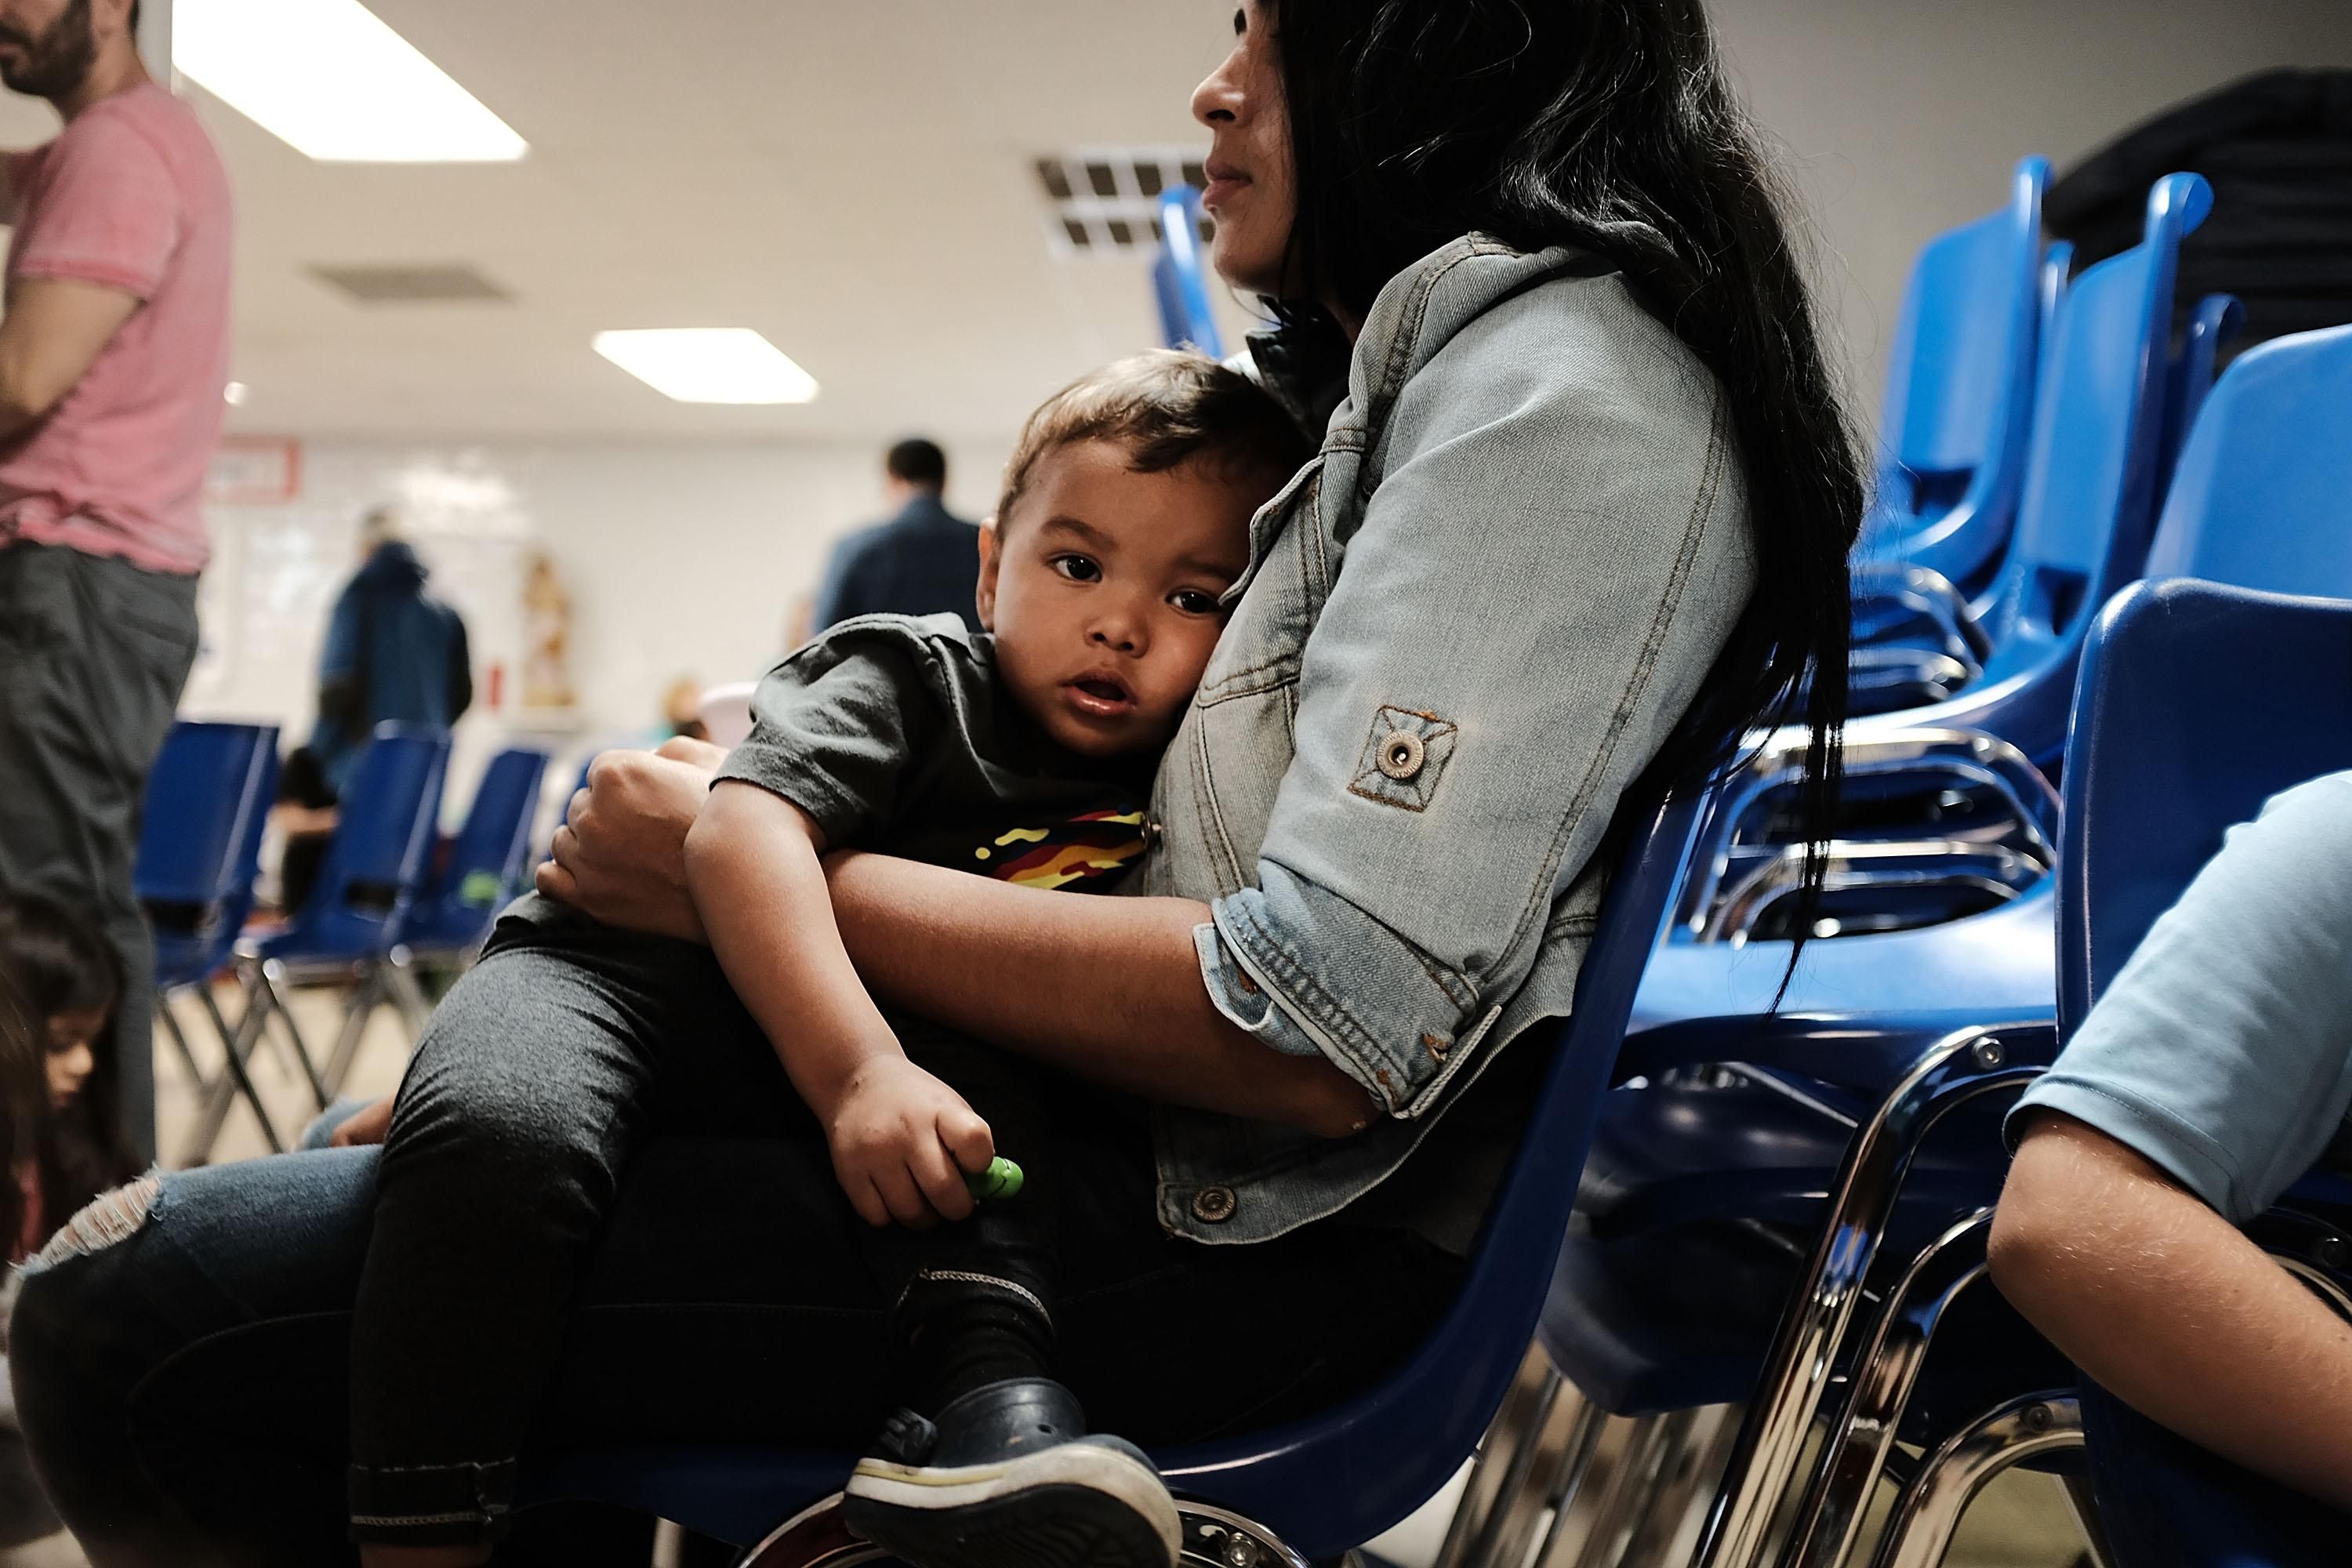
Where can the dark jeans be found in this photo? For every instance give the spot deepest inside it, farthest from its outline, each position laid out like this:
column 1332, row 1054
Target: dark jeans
column 188, row 1389
column 2164, row 1502
column 93, row 653
column 547, row 1067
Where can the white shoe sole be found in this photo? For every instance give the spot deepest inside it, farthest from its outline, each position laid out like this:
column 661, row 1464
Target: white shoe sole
column 1076, row 1505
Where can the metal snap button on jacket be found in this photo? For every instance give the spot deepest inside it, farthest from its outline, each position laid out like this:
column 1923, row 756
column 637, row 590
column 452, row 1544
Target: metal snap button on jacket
column 1214, row 1205
column 1401, row 754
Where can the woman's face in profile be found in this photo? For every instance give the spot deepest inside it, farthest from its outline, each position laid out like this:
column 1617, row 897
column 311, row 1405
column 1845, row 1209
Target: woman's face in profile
column 1251, row 191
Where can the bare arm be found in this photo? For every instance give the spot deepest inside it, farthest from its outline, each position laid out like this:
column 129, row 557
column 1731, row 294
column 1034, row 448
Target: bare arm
column 53, row 332
column 1108, row 987
column 2166, row 1304
column 898, row 1134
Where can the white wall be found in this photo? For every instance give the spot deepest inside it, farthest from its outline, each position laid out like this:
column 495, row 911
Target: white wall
column 679, row 560
column 1902, row 118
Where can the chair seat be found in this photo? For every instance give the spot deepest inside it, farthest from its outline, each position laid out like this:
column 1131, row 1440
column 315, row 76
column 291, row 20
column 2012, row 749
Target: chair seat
column 1998, row 964
column 1670, row 1156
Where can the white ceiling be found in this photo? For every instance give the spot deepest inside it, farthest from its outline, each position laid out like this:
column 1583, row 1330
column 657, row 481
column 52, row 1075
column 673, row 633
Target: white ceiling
column 852, row 178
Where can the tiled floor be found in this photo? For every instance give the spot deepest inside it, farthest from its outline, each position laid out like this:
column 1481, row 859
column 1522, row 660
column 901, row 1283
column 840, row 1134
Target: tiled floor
column 2020, row 1522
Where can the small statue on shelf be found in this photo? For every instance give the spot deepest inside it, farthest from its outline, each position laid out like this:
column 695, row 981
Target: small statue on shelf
column 547, row 626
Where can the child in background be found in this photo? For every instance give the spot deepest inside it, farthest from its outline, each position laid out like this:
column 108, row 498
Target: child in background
column 1025, row 754
column 69, row 984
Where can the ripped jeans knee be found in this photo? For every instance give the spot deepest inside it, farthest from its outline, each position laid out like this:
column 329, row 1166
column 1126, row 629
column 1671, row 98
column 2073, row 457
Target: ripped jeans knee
column 107, row 1220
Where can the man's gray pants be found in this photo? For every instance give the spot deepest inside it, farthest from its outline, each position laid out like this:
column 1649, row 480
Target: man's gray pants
column 93, row 653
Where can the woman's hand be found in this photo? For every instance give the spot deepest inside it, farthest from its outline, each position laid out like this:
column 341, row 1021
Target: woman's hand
column 366, row 1125
column 620, row 855
column 901, row 1142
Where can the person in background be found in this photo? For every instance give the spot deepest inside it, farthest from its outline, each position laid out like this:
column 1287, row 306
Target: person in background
column 2214, row 1072
column 24, row 1512
column 925, row 561
column 682, row 711
column 113, row 357
column 69, row 983
column 393, row 654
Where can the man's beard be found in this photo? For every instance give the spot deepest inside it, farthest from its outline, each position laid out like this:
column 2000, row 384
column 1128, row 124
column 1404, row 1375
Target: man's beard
column 57, row 62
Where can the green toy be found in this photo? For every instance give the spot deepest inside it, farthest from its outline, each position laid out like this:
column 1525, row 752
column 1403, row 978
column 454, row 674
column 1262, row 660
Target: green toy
column 1001, row 1179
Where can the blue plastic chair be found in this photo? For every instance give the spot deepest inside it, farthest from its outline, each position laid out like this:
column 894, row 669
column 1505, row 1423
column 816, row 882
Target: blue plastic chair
column 2212, row 328
column 1323, row 1487
column 208, row 798
column 1959, row 393
column 486, row 866
column 375, row 865
column 1180, row 277
column 2090, row 485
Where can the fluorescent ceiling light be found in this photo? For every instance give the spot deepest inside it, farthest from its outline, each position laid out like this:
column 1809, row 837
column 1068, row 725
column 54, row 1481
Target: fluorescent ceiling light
column 329, row 77
column 708, row 364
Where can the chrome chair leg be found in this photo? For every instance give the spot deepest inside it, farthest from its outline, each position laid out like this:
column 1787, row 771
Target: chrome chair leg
column 1631, row 1489
column 358, row 1010
column 402, row 983
column 235, row 1076
column 298, row 1050
column 1563, row 1486
column 2076, row 1489
column 1862, row 1433
column 818, row 1537
column 1807, row 1346
column 1517, row 1425
column 1924, row 1519
column 1687, row 1463
column 1511, row 1517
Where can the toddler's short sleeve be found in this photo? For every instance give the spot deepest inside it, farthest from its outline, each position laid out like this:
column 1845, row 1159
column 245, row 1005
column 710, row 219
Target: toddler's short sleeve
column 836, row 727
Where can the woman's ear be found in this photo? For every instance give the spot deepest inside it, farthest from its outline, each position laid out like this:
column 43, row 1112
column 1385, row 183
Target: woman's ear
column 984, row 600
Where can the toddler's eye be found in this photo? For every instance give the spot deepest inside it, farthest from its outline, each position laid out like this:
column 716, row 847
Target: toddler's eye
column 1193, row 602
column 1077, row 568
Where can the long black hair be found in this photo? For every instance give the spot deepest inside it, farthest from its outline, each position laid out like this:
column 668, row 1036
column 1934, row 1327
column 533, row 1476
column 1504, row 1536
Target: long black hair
column 61, row 965
column 24, row 1101
column 1606, row 124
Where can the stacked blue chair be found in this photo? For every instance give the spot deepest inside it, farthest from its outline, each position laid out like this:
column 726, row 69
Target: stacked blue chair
column 2081, row 531
column 208, row 798
column 1316, row 1490
column 1180, row 277
column 2091, row 483
column 1843, row 1107
column 488, row 865
column 1954, row 426
column 374, row 866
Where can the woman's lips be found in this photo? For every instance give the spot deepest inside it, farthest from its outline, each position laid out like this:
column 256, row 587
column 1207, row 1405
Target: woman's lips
column 1225, row 180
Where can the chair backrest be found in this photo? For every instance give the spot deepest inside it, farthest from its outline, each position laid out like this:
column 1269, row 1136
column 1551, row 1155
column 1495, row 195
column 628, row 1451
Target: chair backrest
column 2090, row 483
column 2212, row 327
column 1180, row 279
column 489, row 857
column 208, row 795
column 2263, row 494
column 1959, row 389
column 384, row 831
column 1398, row 1443
column 2197, row 704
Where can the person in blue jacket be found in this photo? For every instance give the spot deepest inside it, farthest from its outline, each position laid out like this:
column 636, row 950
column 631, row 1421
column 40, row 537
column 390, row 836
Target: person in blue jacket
column 393, row 653
column 924, row 561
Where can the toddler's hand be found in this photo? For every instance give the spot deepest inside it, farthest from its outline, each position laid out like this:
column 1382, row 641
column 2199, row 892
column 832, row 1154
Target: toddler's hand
column 901, row 1142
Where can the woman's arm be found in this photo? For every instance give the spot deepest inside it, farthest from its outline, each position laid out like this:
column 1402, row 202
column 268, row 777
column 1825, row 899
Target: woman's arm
column 1109, row 988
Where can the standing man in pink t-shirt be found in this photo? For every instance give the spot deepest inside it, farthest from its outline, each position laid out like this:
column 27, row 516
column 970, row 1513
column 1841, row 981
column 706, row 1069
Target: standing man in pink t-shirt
column 113, row 355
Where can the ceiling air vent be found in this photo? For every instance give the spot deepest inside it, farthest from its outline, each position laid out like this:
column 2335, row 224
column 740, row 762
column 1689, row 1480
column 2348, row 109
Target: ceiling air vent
column 1104, row 200
column 416, row 285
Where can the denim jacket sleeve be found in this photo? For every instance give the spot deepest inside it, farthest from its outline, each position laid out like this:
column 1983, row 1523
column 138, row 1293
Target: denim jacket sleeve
column 1550, row 549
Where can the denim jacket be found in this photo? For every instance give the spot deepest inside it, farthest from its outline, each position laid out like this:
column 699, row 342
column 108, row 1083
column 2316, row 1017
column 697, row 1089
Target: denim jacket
column 1467, row 625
